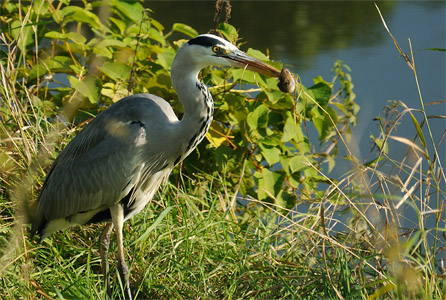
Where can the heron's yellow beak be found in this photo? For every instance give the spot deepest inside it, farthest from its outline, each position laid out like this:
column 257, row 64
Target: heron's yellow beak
column 240, row 59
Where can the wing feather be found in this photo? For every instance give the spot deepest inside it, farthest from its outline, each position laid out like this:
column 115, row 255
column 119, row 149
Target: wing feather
column 117, row 151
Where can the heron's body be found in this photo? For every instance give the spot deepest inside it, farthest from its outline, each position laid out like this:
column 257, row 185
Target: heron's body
column 114, row 166
column 101, row 168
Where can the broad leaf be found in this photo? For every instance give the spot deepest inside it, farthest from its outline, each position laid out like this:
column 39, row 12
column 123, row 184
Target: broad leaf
column 79, row 14
column 269, row 184
column 290, row 130
column 24, row 35
column 271, row 153
column 186, row 29
column 216, row 135
column 89, row 87
column 56, row 35
column 298, row 163
column 56, row 64
column 131, row 9
column 321, row 93
column 115, row 70
column 229, row 32
column 258, row 118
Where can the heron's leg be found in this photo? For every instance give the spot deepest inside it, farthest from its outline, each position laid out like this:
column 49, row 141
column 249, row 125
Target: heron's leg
column 117, row 214
column 104, row 243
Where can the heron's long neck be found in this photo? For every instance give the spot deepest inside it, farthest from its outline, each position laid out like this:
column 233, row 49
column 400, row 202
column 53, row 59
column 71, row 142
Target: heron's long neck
column 197, row 104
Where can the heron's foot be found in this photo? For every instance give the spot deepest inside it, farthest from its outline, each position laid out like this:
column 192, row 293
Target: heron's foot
column 124, row 271
column 117, row 213
column 104, row 243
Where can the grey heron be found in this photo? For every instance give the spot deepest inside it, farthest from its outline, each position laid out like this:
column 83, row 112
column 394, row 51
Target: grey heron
column 115, row 164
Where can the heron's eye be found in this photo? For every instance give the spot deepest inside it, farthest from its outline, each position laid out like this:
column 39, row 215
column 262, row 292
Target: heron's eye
column 216, row 49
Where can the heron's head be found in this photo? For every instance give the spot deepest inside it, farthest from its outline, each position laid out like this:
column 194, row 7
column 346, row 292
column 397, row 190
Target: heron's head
column 208, row 49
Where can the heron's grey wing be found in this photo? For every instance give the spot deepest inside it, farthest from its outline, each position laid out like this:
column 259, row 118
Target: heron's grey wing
column 91, row 171
column 103, row 159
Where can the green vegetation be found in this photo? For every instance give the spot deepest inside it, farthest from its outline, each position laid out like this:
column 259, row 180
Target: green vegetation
column 253, row 213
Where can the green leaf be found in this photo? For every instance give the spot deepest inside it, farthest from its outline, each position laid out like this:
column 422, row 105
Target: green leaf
column 23, row 35
column 115, row 70
column 226, row 158
column 156, row 35
column 290, row 129
column 79, row 14
column 322, row 93
column 318, row 79
column 131, row 9
column 56, row 64
column 257, row 54
column 271, row 153
column 229, row 32
column 90, row 87
column 76, row 37
column 119, row 24
column 247, row 185
column 418, row 129
column 112, row 43
column 328, row 124
column 284, row 161
column 318, row 119
column 41, row 7
column 247, row 76
column 311, row 172
column 286, row 200
column 323, row 123
column 298, row 163
column 273, row 96
column 269, row 184
column 56, row 35
column 156, row 24
column 114, row 91
column 331, row 163
column 217, row 134
column 383, row 146
column 437, row 49
column 294, row 180
column 165, row 58
column 185, row 29
column 103, row 51
column 258, row 118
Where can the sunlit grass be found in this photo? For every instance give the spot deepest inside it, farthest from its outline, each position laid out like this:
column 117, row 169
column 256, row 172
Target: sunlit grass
column 195, row 249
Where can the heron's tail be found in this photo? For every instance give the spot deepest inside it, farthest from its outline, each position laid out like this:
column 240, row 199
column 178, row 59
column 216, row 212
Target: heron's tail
column 35, row 216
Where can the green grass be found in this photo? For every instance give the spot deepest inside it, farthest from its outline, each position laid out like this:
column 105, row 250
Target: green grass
column 195, row 250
